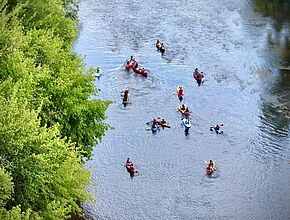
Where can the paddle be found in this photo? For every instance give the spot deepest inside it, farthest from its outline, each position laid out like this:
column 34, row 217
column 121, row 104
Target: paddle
column 212, row 127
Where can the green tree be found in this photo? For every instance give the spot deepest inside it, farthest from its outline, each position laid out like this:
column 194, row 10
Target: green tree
column 48, row 119
column 47, row 173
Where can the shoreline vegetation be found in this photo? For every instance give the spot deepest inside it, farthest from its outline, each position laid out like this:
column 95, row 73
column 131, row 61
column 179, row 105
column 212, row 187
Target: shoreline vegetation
column 48, row 122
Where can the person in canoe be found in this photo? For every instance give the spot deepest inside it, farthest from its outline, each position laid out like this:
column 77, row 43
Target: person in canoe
column 210, row 167
column 136, row 64
column 162, row 48
column 132, row 59
column 130, row 167
column 126, row 97
column 142, row 71
column 180, row 94
column 198, row 76
column 163, row 123
column 158, row 44
column 130, row 63
column 181, row 108
column 98, row 73
column 155, row 122
column 186, row 113
column 217, row 129
column 154, row 126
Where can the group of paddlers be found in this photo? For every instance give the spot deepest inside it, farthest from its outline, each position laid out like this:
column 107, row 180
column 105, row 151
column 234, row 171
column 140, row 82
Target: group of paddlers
column 158, row 122
column 133, row 64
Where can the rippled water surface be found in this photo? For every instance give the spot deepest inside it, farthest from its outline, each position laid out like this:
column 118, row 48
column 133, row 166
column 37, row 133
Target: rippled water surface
column 246, row 88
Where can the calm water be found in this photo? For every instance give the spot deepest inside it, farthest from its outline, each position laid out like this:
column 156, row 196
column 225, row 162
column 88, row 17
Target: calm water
column 247, row 88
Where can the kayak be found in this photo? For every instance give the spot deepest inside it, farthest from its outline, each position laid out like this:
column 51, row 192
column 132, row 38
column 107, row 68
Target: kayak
column 179, row 109
column 98, row 74
column 186, row 123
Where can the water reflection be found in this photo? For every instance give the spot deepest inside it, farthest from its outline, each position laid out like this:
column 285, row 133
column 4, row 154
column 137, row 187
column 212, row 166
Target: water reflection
column 279, row 11
column 275, row 111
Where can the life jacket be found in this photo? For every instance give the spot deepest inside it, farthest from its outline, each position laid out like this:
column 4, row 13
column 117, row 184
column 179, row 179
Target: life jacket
column 158, row 45
column 130, row 169
column 180, row 93
column 125, row 98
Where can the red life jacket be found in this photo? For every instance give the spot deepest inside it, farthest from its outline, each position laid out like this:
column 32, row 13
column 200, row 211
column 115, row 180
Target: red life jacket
column 180, row 93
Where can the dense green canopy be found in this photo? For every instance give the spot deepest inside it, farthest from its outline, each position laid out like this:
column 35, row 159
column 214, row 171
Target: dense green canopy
column 48, row 121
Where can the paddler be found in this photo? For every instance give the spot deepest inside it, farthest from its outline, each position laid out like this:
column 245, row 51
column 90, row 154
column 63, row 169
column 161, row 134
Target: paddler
column 211, row 165
column 130, row 167
column 217, row 129
column 125, row 97
column 186, row 113
column 198, row 76
column 98, row 73
column 180, row 94
column 182, row 108
column 158, row 45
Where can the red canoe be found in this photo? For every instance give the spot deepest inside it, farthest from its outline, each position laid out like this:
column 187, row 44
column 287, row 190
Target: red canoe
column 142, row 72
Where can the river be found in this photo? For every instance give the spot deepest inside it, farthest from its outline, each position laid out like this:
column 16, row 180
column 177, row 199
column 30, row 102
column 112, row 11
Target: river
column 246, row 87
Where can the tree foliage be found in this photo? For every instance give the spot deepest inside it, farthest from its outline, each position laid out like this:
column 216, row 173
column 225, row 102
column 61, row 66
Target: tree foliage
column 48, row 121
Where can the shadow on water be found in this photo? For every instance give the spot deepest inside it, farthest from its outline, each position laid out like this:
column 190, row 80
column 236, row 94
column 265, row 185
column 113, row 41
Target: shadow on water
column 275, row 109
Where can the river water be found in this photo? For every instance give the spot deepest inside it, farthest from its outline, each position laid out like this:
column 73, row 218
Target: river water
column 246, row 87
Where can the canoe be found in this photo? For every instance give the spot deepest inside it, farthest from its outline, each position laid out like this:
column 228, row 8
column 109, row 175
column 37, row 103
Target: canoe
column 142, row 72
